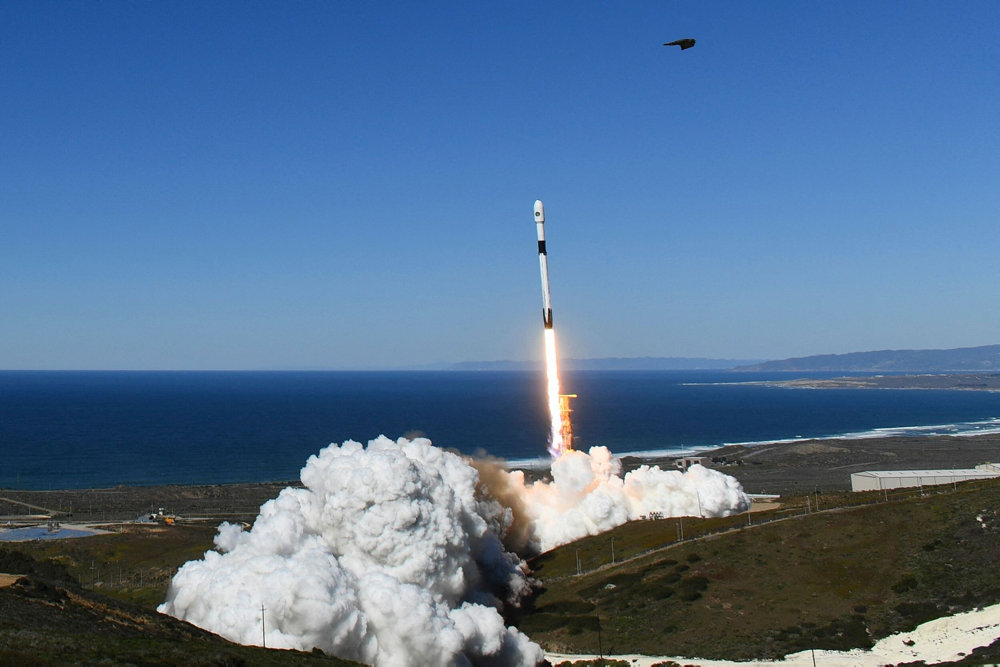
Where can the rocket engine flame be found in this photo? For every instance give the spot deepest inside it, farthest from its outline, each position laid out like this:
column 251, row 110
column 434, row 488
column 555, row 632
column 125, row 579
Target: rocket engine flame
column 556, row 444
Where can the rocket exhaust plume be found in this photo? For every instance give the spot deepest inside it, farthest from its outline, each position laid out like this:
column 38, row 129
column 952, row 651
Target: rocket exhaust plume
column 561, row 433
column 400, row 554
column 552, row 386
column 588, row 494
column 388, row 554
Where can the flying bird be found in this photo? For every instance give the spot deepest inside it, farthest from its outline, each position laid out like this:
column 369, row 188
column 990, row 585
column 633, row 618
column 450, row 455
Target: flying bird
column 686, row 43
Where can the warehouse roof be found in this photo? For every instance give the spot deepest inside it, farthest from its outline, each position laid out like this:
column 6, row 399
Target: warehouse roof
column 926, row 473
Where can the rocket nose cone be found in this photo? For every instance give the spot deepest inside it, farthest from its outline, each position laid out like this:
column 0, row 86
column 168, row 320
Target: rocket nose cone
column 539, row 211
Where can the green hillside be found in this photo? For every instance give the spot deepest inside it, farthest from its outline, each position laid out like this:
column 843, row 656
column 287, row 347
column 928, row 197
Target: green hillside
column 864, row 567
column 835, row 579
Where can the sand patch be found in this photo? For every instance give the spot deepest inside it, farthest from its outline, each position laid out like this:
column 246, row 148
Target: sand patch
column 8, row 579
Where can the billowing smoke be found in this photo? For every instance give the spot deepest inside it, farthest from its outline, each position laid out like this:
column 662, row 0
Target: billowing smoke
column 386, row 556
column 394, row 553
column 588, row 495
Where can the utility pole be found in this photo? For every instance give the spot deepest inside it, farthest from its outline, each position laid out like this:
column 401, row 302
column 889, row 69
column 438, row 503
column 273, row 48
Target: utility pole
column 263, row 635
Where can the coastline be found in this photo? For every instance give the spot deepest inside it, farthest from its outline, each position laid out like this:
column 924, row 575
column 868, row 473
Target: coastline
column 786, row 467
column 947, row 381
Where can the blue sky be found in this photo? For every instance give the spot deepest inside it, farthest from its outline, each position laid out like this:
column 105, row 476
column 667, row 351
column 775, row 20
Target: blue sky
column 230, row 185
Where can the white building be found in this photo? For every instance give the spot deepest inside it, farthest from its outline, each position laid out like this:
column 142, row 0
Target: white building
column 876, row 480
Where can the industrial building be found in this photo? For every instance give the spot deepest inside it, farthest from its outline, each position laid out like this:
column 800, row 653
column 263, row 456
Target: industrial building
column 877, row 480
column 684, row 463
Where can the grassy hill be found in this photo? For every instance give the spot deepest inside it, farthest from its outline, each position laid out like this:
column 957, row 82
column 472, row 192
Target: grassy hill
column 835, row 579
column 982, row 358
column 865, row 567
column 48, row 618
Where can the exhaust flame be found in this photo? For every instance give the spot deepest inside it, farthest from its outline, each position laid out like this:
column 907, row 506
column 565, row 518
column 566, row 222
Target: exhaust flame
column 556, row 444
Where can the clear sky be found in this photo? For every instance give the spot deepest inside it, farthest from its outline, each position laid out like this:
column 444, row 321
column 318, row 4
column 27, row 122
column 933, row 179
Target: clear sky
column 230, row 185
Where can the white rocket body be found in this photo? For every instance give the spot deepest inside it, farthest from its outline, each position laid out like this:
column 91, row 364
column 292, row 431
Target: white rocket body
column 543, row 263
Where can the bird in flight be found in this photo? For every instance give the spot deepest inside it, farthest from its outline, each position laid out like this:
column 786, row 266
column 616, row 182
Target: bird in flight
column 683, row 43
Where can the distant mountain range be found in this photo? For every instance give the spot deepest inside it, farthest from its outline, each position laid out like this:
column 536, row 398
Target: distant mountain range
column 609, row 364
column 983, row 358
column 963, row 359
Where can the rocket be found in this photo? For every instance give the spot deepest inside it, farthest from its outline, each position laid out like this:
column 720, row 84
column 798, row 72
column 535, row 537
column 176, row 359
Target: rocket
column 543, row 263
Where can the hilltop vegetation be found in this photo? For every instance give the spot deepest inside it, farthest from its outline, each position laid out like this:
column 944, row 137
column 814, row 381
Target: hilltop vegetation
column 837, row 580
column 983, row 358
column 794, row 580
column 47, row 617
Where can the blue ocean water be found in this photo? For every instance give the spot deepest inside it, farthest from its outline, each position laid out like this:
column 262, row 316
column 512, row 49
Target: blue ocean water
column 100, row 429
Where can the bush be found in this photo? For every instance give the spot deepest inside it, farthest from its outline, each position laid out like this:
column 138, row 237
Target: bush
column 690, row 589
column 916, row 613
column 567, row 607
column 15, row 562
column 542, row 623
column 907, row 583
column 577, row 624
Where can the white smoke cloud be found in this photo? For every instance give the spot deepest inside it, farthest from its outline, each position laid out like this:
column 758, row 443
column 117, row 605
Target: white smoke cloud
column 387, row 556
column 588, row 495
column 391, row 554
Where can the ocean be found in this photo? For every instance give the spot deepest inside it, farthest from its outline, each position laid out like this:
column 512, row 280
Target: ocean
column 102, row 429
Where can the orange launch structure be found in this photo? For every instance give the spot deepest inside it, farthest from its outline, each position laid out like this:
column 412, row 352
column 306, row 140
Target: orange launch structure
column 567, row 424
